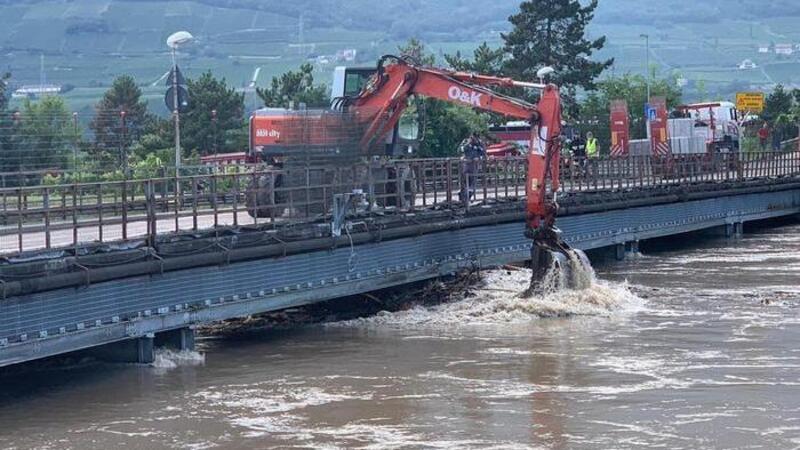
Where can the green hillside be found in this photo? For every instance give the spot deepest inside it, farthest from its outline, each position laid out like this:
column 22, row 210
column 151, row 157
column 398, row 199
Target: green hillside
column 86, row 43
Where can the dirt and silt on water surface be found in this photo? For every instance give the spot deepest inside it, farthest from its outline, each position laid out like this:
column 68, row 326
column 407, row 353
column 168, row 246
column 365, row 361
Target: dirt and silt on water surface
column 687, row 347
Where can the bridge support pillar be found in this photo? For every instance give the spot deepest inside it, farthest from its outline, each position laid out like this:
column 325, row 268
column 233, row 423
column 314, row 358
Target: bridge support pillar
column 738, row 230
column 136, row 351
column 623, row 251
column 180, row 339
column 619, row 252
column 729, row 230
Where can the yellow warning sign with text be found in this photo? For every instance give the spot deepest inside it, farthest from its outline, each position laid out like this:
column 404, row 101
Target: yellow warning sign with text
column 750, row 101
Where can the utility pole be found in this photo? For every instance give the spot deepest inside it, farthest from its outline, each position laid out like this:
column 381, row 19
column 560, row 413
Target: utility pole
column 42, row 79
column 123, row 148
column 214, row 129
column 75, row 144
column 173, row 42
column 647, row 79
column 176, row 112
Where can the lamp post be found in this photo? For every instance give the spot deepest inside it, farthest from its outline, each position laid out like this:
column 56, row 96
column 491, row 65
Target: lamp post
column 646, row 38
column 174, row 42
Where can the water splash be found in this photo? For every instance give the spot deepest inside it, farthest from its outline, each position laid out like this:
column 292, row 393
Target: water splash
column 498, row 299
column 166, row 359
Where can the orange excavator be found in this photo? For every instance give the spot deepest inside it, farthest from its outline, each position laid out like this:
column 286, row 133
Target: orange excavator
column 369, row 121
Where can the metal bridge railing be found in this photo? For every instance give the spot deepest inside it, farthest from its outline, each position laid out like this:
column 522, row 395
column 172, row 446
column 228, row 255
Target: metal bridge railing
column 80, row 214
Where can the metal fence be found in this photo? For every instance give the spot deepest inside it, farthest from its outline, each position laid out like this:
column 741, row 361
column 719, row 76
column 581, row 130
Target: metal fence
column 80, row 214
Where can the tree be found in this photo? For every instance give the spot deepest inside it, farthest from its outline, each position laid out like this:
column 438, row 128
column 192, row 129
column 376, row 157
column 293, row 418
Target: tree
column 485, row 60
column 779, row 101
column 157, row 139
column 782, row 111
column 553, row 33
column 6, row 125
column 113, row 136
column 4, row 91
column 46, row 136
column 204, row 132
column 447, row 126
column 295, row 88
column 415, row 50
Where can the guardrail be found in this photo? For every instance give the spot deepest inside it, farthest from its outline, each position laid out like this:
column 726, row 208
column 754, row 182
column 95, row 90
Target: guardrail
column 75, row 215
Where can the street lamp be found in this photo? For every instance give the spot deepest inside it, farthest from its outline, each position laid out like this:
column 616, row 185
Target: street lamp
column 174, row 42
column 544, row 72
column 646, row 38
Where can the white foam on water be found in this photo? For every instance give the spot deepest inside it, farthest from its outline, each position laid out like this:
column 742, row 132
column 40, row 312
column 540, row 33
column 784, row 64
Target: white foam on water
column 271, row 407
column 498, row 299
column 507, row 351
column 170, row 359
column 706, row 354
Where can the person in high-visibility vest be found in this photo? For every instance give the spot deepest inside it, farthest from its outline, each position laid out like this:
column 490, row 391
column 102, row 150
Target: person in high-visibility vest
column 591, row 146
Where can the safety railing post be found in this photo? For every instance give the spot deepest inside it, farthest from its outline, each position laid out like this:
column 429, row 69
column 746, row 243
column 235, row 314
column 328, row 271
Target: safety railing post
column 508, row 177
column 75, row 216
column 371, row 200
column 20, row 219
column 64, row 204
column 124, row 210
column 100, row 211
column 195, row 198
column 435, row 175
column 253, row 191
column 46, row 206
column 177, row 203
column 423, row 169
column 152, row 222
column 162, row 176
column 215, row 198
column 235, row 188
column 449, row 181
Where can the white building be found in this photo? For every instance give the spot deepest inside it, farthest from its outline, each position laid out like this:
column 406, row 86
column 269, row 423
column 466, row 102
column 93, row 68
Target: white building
column 29, row 91
column 747, row 64
column 763, row 49
column 346, row 55
column 784, row 49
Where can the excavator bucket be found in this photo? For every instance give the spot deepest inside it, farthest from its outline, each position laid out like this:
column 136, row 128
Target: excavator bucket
column 556, row 266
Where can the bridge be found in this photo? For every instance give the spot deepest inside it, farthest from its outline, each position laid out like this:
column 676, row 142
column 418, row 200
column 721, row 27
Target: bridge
column 118, row 267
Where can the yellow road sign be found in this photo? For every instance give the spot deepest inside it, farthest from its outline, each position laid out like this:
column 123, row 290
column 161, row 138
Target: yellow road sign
column 750, row 101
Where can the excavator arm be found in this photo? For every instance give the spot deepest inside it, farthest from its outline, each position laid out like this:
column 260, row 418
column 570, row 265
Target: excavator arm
column 388, row 94
column 385, row 97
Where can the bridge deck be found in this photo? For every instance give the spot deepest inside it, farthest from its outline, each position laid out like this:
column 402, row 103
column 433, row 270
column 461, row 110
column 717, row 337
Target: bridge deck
column 48, row 217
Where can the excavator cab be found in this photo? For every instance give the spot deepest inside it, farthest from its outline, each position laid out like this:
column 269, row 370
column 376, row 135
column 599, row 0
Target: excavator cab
column 349, row 82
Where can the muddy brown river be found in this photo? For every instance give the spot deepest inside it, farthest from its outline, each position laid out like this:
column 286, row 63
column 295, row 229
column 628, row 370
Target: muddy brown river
column 689, row 347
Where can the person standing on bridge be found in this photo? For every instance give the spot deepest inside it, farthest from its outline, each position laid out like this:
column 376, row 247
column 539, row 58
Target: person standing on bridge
column 777, row 140
column 579, row 153
column 763, row 136
column 592, row 150
column 592, row 153
column 473, row 152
